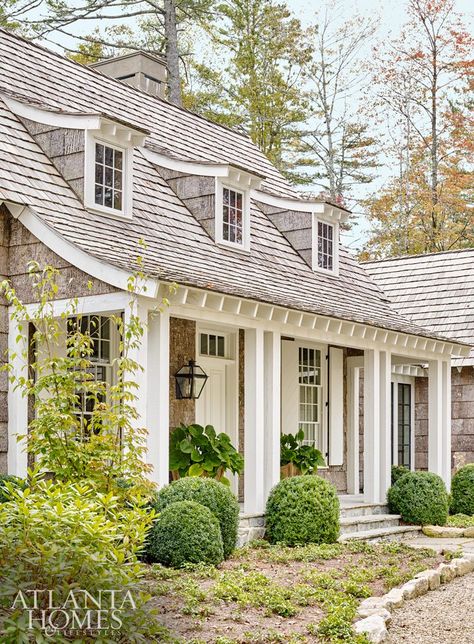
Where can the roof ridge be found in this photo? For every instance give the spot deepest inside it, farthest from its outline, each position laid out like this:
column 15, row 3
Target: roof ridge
column 123, row 84
column 417, row 255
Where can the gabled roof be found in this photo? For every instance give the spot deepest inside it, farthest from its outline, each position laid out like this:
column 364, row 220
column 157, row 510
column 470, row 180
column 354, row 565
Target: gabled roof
column 178, row 248
column 434, row 290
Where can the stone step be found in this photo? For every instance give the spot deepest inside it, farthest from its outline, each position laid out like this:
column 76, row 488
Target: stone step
column 369, row 522
column 395, row 533
column 362, row 509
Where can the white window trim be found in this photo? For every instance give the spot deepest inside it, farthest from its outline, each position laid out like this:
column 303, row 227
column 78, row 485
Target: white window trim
column 89, row 176
column 407, row 380
column 323, row 348
column 232, row 185
column 229, row 343
column 335, row 246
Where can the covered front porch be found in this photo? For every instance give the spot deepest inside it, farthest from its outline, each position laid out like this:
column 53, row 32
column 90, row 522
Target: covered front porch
column 273, row 370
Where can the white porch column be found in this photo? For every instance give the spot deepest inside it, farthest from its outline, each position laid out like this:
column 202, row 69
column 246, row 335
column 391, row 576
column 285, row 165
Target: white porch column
column 353, row 383
column 254, row 489
column 435, row 416
column 17, row 458
column 272, row 384
column 157, row 403
column 371, row 426
column 447, row 416
column 385, row 423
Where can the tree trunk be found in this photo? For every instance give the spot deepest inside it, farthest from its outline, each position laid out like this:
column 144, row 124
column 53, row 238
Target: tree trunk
column 172, row 56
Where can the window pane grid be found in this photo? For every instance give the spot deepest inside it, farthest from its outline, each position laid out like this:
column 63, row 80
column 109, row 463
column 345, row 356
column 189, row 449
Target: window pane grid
column 325, row 246
column 310, row 392
column 404, row 425
column 212, row 345
column 232, row 215
column 108, row 177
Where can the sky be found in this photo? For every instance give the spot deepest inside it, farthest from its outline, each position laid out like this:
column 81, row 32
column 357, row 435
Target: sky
column 392, row 15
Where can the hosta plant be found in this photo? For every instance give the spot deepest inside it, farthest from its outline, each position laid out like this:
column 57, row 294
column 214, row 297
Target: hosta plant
column 305, row 458
column 200, row 451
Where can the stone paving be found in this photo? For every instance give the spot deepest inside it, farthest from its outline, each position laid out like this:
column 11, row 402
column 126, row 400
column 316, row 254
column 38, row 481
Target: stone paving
column 467, row 545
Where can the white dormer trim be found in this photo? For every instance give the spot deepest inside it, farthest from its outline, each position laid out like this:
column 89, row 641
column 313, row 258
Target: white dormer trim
column 92, row 137
column 218, row 170
column 324, row 210
column 314, row 246
column 241, row 184
column 102, row 125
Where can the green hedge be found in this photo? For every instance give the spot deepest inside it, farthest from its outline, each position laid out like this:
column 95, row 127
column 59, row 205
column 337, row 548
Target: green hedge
column 397, row 472
column 214, row 495
column 420, row 498
column 4, row 494
column 185, row 532
column 302, row 509
column 462, row 491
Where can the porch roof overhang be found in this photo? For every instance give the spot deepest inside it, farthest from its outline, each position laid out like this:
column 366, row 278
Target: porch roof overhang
column 188, row 301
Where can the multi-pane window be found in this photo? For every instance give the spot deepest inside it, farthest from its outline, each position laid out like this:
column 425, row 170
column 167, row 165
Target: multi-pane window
column 325, row 246
column 212, row 345
column 404, row 425
column 101, row 331
column 232, row 215
column 310, row 395
column 109, row 173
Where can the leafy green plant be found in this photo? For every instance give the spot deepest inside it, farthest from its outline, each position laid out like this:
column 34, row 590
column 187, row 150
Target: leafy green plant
column 302, row 509
column 4, row 490
column 214, row 495
column 200, row 451
column 460, row 521
column 420, row 498
column 114, row 445
column 185, row 532
column 67, row 537
column 462, row 491
column 397, row 472
column 305, row 458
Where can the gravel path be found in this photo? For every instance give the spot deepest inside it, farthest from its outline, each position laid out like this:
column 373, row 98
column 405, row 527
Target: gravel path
column 444, row 616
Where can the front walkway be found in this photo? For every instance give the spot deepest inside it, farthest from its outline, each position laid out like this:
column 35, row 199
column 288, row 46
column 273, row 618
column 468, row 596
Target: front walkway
column 443, row 616
column 441, row 545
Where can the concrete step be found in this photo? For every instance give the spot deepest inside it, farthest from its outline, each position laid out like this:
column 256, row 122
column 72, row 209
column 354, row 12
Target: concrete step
column 395, row 533
column 368, row 522
column 362, row 509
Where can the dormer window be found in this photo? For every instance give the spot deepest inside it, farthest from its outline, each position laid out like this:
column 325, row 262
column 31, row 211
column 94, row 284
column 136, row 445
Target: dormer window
column 325, row 246
column 108, row 176
column 232, row 215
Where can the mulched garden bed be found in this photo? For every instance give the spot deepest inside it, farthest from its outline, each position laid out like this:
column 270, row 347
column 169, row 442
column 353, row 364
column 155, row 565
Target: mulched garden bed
column 268, row 594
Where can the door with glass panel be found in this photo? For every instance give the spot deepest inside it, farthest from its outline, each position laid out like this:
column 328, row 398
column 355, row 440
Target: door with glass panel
column 402, row 424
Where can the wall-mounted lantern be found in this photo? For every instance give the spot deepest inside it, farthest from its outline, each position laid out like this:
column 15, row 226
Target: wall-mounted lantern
column 190, row 381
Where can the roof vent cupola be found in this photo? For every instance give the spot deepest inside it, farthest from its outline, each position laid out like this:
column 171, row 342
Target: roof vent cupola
column 139, row 69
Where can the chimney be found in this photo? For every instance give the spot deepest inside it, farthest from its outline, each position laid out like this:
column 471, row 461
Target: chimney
column 140, row 69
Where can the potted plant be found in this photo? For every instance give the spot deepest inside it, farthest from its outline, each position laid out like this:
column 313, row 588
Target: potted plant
column 296, row 458
column 200, row 451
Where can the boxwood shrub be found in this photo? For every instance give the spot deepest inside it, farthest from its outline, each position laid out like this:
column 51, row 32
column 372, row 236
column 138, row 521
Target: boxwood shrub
column 420, row 498
column 185, row 532
column 397, row 472
column 462, row 491
column 303, row 509
column 214, row 495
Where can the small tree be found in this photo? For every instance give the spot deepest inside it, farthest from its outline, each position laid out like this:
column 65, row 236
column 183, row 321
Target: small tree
column 111, row 447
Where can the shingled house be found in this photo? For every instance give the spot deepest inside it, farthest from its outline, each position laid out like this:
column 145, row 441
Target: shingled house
column 437, row 291
column 268, row 304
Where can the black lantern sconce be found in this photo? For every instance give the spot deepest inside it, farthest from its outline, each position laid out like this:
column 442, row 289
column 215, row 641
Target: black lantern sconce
column 190, row 381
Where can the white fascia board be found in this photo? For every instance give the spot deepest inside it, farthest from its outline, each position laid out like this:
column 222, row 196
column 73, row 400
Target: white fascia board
column 188, row 167
column 80, row 259
column 320, row 208
column 95, row 122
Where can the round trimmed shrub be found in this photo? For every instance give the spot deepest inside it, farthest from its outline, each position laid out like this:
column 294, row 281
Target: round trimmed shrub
column 420, row 498
column 302, row 509
column 462, row 491
column 185, row 532
column 214, row 495
column 397, row 472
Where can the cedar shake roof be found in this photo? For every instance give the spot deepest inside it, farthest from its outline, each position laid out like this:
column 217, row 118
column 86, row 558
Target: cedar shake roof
column 178, row 249
column 434, row 290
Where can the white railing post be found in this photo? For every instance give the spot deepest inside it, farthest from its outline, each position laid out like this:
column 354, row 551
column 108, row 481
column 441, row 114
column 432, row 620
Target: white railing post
column 254, row 489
